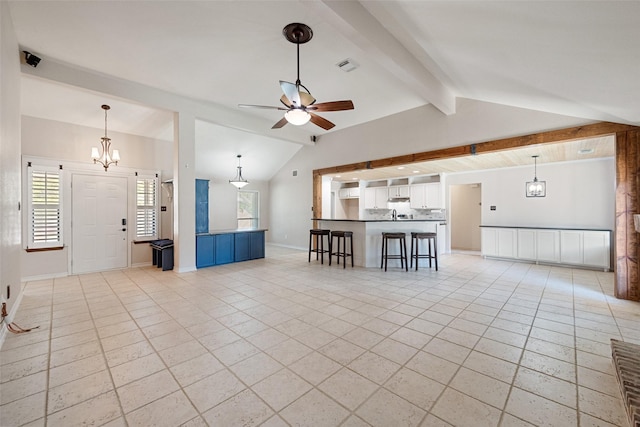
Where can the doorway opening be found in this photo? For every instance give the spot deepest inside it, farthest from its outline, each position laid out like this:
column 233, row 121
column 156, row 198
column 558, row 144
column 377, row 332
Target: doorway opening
column 466, row 217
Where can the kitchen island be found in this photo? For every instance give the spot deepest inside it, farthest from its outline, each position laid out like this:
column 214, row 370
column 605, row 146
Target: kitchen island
column 367, row 235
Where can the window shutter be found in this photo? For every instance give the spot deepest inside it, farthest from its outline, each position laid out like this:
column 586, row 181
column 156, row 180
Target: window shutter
column 45, row 208
column 146, row 208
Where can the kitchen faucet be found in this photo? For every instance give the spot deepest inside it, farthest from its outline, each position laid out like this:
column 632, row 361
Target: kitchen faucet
column 394, row 215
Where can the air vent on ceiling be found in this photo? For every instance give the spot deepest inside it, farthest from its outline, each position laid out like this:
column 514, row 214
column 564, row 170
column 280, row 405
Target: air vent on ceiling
column 347, row 65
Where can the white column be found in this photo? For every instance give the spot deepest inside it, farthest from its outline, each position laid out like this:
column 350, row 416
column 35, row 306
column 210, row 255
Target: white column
column 184, row 192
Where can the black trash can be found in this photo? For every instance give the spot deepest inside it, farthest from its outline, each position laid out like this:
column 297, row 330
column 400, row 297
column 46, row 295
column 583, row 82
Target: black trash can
column 162, row 253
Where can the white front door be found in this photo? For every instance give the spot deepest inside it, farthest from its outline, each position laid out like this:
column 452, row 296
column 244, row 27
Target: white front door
column 99, row 235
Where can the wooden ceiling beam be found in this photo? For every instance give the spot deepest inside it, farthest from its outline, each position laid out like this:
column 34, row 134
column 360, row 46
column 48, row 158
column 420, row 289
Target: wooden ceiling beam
column 548, row 137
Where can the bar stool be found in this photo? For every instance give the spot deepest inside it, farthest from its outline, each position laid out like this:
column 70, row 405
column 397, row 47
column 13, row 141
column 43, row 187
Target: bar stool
column 319, row 249
column 402, row 239
column 429, row 237
column 342, row 235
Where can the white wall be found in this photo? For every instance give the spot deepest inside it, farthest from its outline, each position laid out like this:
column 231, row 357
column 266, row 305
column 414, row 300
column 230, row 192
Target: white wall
column 10, row 221
column 579, row 195
column 66, row 142
column 223, row 202
column 417, row 130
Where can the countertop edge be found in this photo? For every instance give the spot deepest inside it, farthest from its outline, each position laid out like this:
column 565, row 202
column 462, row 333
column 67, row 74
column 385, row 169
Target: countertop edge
column 244, row 230
column 380, row 220
column 522, row 227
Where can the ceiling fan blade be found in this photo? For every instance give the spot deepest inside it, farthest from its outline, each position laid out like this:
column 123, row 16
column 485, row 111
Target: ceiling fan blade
column 267, row 107
column 321, row 121
column 332, row 106
column 280, row 123
column 291, row 92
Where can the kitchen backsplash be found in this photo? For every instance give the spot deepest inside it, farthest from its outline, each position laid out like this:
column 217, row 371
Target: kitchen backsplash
column 403, row 209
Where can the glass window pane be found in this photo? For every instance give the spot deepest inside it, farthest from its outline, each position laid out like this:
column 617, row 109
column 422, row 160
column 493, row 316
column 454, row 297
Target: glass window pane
column 248, row 209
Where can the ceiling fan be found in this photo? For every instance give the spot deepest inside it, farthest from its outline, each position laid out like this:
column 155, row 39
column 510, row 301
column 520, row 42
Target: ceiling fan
column 300, row 105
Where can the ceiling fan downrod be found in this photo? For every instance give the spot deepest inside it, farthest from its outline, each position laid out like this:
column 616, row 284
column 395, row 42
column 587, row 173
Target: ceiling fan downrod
column 298, row 34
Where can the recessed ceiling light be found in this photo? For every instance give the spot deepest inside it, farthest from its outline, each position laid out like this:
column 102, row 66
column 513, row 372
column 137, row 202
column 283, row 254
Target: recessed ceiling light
column 416, row 171
column 400, row 167
column 338, row 176
column 586, row 151
column 354, row 178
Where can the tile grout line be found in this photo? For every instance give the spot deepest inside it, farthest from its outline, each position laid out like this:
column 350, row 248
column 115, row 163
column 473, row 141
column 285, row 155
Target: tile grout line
column 99, row 339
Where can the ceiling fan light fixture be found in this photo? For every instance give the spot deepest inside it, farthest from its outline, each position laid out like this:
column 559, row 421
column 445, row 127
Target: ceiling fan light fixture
column 297, row 117
column 297, row 98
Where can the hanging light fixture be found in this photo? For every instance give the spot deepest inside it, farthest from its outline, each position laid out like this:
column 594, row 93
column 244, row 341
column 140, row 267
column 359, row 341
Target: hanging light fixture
column 238, row 180
column 107, row 157
column 536, row 188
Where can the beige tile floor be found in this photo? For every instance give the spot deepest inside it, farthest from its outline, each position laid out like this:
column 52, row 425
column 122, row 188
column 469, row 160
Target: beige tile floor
column 281, row 341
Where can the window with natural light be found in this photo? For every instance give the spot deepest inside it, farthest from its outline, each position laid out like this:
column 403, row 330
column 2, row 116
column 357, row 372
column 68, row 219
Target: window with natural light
column 248, row 209
column 146, row 208
column 45, row 207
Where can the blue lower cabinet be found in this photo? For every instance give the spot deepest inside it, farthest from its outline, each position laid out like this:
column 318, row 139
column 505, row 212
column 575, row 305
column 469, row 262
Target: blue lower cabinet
column 257, row 244
column 243, row 246
column 205, row 253
column 224, row 248
column 215, row 249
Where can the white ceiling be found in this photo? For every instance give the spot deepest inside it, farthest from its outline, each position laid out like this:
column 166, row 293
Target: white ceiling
column 572, row 58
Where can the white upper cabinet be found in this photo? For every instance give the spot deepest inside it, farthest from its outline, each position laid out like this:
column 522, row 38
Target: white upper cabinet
column 376, row 197
column 425, row 196
column 349, row 193
column 399, row 191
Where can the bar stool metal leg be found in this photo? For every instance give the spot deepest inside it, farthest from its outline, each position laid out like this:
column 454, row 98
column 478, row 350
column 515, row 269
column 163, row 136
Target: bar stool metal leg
column 435, row 251
column 406, row 262
column 351, row 240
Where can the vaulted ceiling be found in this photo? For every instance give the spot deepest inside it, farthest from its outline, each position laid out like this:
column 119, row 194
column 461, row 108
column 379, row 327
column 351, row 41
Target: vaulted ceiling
column 572, row 58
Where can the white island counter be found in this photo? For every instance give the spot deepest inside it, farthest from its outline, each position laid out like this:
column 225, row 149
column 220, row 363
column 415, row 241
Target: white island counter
column 367, row 236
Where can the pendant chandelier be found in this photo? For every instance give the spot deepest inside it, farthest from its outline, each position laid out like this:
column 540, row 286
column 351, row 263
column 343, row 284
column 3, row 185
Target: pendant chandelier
column 238, row 180
column 536, row 188
column 106, row 157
